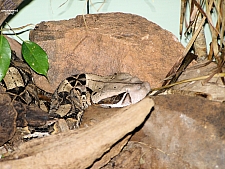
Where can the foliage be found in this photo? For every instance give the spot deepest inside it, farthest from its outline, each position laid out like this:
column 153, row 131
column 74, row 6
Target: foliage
column 33, row 54
column 5, row 56
column 36, row 57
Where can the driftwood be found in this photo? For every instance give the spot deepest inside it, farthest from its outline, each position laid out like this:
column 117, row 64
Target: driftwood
column 7, row 118
column 7, row 5
column 81, row 148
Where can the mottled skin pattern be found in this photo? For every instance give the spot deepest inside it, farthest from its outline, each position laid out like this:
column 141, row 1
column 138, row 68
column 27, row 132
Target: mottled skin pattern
column 77, row 92
column 69, row 99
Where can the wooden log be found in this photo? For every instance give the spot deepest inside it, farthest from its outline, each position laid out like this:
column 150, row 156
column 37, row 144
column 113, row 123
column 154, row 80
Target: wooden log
column 75, row 149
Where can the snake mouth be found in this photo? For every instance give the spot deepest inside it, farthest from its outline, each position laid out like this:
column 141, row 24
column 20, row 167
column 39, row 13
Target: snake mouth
column 113, row 99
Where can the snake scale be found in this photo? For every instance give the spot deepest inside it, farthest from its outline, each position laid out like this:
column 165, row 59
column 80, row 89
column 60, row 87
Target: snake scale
column 70, row 99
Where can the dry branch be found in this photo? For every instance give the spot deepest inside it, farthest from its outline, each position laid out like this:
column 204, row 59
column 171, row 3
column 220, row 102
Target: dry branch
column 7, row 5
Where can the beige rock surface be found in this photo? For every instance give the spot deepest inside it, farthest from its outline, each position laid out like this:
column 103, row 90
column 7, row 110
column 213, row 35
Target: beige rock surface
column 213, row 86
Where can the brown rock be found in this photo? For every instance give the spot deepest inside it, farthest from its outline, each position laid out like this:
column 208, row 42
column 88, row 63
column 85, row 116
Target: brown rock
column 105, row 44
column 182, row 132
column 130, row 157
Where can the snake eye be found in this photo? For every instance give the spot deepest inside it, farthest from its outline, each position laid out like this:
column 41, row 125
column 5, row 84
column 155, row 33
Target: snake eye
column 113, row 99
column 94, row 93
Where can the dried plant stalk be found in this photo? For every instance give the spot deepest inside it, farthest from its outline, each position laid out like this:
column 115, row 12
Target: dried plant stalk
column 200, row 42
column 222, row 30
column 214, row 34
column 182, row 14
column 197, row 14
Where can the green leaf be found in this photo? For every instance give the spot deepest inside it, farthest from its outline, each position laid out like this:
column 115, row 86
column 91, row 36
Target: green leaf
column 36, row 57
column 5, row 56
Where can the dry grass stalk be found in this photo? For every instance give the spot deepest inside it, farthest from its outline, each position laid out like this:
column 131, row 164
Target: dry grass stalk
column 199, row 8
column 201, row 12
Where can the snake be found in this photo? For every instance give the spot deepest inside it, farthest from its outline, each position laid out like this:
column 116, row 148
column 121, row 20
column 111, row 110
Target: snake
column 70, row 99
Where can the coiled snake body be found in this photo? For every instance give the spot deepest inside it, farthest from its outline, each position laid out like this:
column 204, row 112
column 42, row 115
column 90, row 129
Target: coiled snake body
column 70, row 99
